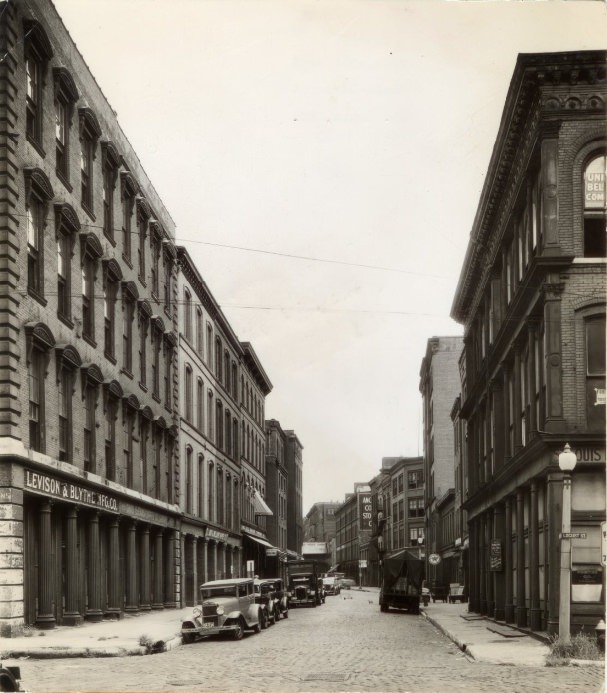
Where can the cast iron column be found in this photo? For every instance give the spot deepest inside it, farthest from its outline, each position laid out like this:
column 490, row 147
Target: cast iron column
column 521, row 608
column 158, row 573
column 132, row 593
column 46, row 583
column 114, row 584
column 94, row 611
column 535, row 613
column 169, row 571
column 145, row 569
column 508, row 591
column 72, row 615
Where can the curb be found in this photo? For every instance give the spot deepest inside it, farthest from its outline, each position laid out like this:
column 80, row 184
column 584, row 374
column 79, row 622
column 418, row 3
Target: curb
column 72, row 652
column 462, row 645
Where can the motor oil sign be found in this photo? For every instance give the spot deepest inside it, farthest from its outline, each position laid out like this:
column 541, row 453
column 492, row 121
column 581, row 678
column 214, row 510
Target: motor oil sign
column 365, row 511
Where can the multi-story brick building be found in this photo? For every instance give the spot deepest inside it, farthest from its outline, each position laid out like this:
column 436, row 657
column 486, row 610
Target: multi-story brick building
column 353, row 532
column 319, row 522
column 255, row 386
column 439, row 386
column 88, row 404
column 276, row 494
column 294, row 466
column 531, row 297
column 210, row 358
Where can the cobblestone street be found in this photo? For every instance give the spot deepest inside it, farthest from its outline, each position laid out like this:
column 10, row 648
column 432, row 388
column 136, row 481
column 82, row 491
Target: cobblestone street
column 345, row 645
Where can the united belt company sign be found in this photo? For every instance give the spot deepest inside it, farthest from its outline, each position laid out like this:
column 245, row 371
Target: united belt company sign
column 66, row 490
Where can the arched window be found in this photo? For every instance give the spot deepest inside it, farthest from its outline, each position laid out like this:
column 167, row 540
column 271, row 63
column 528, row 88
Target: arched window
column 200, row 404
column 594, row 208
column 188, row 479
column 188, row 393
column 187, row 315
column 199, row 334
column 200, row 508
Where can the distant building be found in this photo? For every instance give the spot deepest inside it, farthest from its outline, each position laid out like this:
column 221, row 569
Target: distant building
column 439, row 386
column 352, row 531
column 319, row 522
column 276, row 493
column 294, row 466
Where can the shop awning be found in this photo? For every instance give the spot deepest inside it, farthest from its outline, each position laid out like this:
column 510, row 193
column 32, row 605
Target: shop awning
column 260, row 506
column 259, row 540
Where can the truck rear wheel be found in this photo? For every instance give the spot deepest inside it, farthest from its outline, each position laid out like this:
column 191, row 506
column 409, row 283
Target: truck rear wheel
column 383, row 607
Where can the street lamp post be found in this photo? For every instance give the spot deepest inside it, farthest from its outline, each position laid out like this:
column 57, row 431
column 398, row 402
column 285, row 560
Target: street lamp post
column 567, row 462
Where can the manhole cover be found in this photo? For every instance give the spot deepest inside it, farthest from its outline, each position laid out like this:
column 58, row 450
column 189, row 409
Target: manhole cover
column 325, row 676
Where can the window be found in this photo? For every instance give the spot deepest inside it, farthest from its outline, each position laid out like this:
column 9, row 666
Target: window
column 91, row 379
column 156, row 347
column 200, row 404
column 91, row 251
column 155, row 244
column 219, row 425
column 394, row 487
column 144, row 427
column 168, row 360
column 66, row 96
column 128, row 314
column 110, row 162
column 400, row 483
column 143, row 215
column 65, row 380
column 211, row 492
column 187, row 315
column 416, row 507
column 220, row 497
column 157, row 457
column 112, row 275
column 111, row 413
column 36, row 400
column 200, row 499
column 209, row 346
column 127, row 441
column 210, row 415
column 218, row 359
column 188, row 394
column 226, row 370
column 199, row 334
column 595, row 372
column 128, row 190
column 144, row 324
column 188, row 479
column 38, row 52
column 414, row 479
column 66, row 224
column 234, row 380
column 38, row 192
column 594, row 208
column 168, row 268
column 89, row 134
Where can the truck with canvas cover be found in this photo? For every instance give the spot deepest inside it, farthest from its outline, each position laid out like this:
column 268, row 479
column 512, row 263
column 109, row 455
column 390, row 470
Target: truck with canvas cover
column 403, row 576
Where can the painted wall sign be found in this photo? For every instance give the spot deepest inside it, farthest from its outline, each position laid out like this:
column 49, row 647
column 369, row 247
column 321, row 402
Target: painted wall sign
column 216, row 534
column 365, row 511
column 66, row 490
column 495, row 555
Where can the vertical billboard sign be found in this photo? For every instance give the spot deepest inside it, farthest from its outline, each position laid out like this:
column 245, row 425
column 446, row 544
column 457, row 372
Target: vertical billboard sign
column 365, row 512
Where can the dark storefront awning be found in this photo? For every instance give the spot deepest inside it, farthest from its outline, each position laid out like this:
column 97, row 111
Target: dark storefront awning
column 259, row 540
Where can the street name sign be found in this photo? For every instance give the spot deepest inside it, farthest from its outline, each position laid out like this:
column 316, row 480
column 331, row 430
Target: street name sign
column 573, row 535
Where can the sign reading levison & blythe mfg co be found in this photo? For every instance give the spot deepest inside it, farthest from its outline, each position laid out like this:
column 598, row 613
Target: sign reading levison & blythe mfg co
column 66, row 490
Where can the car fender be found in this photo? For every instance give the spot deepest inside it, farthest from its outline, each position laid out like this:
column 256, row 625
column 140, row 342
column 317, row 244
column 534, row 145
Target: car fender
column 233, row 615
column 251, row 614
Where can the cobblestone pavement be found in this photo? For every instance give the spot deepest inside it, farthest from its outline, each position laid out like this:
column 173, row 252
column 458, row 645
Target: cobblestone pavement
column 346, row 644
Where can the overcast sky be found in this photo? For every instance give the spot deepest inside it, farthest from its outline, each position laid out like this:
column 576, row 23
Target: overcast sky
column 353, row 133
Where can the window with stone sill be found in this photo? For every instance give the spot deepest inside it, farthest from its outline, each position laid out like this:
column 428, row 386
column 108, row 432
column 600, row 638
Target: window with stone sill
column 89, row 135
column 66, row 95
column 38, row 53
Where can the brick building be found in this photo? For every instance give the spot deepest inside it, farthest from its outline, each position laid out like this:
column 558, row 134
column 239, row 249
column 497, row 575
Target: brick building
column 211, row 445
column 276, row 494
column 89, row 522
column 531, row 297
column 294, row 467
column 319, row 522
column 439, row 386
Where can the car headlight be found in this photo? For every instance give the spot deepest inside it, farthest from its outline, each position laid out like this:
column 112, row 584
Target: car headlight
column 196, row 612
column 220, row 610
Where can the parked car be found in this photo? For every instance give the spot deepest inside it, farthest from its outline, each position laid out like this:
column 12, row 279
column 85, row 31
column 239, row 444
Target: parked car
column 347, row 583
column 227, row 606
column 270, row 593
column 10, row 678
column 331, row 585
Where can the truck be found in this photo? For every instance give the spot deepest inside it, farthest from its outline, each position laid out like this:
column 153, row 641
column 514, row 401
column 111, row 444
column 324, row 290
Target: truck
column 402, row 581
column 305, row 584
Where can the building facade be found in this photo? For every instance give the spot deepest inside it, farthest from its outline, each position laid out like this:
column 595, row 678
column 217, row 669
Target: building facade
column 439, row 386
column 255, row 386
column 210, row 360
column 276, row 493
column 294, row 466
column 531, row 297
column 89, row 525
column 319, row 522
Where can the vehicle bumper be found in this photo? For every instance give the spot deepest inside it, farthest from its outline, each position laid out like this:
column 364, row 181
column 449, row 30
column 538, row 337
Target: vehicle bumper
column 214, row 630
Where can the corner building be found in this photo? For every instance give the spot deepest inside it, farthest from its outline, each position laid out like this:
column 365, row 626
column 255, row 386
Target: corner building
column 531, row 297
column 89, row 516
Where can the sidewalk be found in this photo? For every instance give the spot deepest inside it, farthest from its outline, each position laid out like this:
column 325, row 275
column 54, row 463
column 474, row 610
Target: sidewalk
column 485, row 640
column 137, row 634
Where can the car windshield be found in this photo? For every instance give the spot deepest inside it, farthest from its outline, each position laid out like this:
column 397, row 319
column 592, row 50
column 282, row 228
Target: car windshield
column 218, row 591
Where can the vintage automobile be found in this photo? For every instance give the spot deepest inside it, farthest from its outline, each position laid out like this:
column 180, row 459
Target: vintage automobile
column 305, row 584
column 331, row 585
column 227, row 606
column 269, row 592
column 9, row 678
